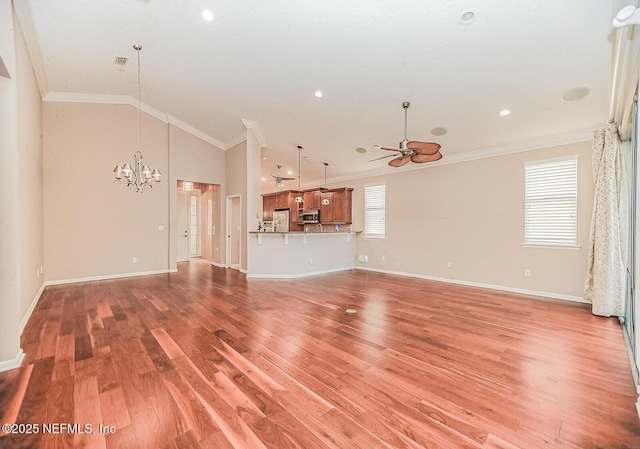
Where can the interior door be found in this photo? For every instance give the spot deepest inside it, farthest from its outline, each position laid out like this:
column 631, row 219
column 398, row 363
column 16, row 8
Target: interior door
column 182, row 227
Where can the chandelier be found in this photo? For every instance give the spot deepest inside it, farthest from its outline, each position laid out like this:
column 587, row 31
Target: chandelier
column 140, row 175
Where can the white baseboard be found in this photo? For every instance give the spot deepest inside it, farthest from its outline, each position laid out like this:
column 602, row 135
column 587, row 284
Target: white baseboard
column 25, row 318
column 296, row 276
column 219, row 265
column 481, row 285
column 6, row 365
column 110, row 276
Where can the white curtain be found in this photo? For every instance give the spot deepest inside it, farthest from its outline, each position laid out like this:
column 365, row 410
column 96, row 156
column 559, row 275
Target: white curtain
column 606, row 276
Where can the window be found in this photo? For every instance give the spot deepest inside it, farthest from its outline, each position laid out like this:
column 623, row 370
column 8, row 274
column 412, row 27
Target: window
column 551, row 202
column 374, row 209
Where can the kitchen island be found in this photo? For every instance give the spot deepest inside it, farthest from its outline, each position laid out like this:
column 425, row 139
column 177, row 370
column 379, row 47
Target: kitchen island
column 288, row 255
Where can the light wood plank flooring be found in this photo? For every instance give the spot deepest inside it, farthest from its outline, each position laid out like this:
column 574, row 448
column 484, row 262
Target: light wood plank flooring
column 204, row 358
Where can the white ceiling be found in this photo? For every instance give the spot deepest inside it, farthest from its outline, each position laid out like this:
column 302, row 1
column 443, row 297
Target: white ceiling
column 263, row 60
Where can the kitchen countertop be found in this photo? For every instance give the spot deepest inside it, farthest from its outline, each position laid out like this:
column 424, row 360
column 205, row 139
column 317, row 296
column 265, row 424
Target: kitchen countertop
column 306, row 232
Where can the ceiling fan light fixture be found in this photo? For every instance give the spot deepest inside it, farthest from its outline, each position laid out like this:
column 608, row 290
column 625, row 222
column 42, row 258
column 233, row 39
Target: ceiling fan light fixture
column 318, row 94
column 504, row 112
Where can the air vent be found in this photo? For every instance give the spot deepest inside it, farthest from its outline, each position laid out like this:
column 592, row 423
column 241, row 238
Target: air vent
column 119, row 60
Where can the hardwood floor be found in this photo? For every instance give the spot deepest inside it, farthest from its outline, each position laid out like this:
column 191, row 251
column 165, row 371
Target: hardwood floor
column 204, row 358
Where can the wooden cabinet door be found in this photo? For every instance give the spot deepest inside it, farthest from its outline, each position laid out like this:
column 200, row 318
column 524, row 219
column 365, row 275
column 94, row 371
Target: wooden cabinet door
column 312, row 200
column 326, row 210
column 338, row 212
column 282, row 200
column 268, row 205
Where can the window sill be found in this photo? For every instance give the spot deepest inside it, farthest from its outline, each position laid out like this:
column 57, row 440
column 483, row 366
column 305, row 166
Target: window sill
column 551, row 246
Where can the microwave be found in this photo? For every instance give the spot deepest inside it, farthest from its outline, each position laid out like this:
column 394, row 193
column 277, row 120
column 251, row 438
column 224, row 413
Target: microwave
column 310, row 216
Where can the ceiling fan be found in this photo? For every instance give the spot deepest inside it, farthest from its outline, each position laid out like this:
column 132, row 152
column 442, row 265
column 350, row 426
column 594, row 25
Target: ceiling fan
column 280, row 179
column 411, row 150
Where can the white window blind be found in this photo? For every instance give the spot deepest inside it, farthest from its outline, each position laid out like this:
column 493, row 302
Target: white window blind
column 374, row 211
column 551, row 202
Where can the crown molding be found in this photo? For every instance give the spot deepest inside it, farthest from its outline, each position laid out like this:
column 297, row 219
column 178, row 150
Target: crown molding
column 236, row 141
column 196, row 132
column 25, row 18
column 71, row 97
column 249, row 125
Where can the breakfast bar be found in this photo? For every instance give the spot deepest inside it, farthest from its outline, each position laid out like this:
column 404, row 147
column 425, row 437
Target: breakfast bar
column 288, row 255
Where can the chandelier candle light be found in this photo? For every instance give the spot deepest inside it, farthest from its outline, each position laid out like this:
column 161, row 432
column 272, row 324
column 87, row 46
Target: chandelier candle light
column 141, row 175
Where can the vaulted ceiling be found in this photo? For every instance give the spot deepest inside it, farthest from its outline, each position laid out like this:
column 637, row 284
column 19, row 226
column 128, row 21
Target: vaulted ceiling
column 264, row 60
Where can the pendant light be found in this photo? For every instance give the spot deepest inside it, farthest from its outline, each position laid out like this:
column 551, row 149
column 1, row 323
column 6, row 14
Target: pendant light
column 299, row 198
column 325, row 201
column 140, row 175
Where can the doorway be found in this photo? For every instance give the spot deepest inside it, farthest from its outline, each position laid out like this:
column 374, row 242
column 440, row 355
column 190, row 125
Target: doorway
column 197, row 217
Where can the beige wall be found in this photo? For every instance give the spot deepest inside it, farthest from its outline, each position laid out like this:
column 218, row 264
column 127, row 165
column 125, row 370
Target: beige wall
column 31, row 207
column 472, row 214
column 94, row 227
column 236, row 169
column 193, row 159
column 20, row 186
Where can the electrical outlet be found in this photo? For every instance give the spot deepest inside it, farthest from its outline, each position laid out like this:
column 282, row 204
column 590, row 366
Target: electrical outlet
column 310, row 261
column 135, row 260
column 382, row 258
column 527, row 272
column 362, row 258
column 449, row 264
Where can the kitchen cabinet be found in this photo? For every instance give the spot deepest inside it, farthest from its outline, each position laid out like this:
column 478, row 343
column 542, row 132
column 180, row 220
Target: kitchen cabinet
column 281, row 200
column 338, row 211
column 312, row 200
column 341, row 205
column 268, row 205
column 326, row 210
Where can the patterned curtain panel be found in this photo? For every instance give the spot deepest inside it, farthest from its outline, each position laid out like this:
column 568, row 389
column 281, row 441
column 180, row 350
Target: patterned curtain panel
column 606, row 276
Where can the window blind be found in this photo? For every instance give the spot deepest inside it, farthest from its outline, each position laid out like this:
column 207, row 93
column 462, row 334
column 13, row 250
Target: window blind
column 374, row 211
column 551, row 202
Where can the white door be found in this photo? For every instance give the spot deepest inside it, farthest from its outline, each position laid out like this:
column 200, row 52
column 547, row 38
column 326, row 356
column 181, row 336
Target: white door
column 194, row 224
column 183, row 225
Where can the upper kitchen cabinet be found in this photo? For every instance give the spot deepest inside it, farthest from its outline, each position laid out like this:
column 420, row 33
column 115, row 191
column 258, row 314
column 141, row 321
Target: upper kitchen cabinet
column 312, row 200
column 326, row 210
column 338, row 211
column 341, row 205
column 268, row 206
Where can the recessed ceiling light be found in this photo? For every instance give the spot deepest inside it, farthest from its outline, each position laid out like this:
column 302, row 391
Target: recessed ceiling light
column 467, row 17
column 264, row 179
column 264, row 158
column 207, row 15
column 575, row 94
column 361, row 150
column 289, row 172
column 318, row 94
column 439, row 131
column 504, row 112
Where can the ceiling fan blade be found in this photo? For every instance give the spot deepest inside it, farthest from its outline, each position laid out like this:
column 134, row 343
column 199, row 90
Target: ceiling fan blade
column 419, row 158
column 383, row 157
column 423, row 147
column 287, row 179
column 390, row 149
column 399, row 161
